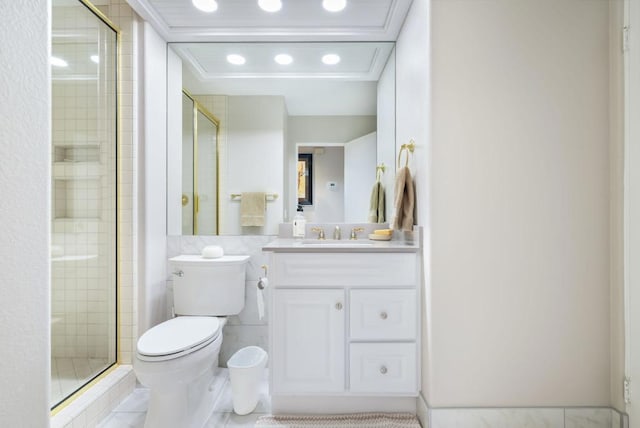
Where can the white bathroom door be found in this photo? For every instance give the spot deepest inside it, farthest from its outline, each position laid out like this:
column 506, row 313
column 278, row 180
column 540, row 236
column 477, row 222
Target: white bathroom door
column 359, row 177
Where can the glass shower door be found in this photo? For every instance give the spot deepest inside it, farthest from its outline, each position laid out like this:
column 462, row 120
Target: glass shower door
column 83, row 241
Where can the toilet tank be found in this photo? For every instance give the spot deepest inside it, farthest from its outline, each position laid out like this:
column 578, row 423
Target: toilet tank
column 209, row 287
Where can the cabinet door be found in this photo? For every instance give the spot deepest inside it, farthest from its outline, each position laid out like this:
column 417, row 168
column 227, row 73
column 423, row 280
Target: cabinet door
column 308, row 344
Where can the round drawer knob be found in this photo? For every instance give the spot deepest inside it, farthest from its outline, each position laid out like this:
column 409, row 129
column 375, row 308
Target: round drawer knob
column 338, row 306
column 383, row 370
column 383, row 315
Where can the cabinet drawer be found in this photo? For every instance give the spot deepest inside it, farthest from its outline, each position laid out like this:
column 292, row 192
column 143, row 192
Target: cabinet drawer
column 358, row 269
column 383, row 368
column 383, row 314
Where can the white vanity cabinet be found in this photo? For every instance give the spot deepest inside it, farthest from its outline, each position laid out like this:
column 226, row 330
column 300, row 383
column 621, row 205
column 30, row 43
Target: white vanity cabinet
column 344, row 324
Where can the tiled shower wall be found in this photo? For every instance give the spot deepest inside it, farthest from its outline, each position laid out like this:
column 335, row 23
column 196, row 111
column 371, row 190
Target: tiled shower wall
column 245, row 328
column 128, row 22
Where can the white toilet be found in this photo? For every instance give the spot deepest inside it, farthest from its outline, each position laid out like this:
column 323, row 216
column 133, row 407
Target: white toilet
column 177, row 359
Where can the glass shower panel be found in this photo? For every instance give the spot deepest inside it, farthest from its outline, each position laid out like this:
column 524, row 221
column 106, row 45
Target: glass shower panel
column 83, row 241
column 207, row 176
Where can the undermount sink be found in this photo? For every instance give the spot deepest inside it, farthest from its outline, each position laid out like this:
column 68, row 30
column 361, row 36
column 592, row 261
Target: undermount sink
column 334, row 242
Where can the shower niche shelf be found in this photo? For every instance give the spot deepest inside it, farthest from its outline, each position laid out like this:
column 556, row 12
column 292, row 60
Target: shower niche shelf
column 76, row 170
column 77, row 182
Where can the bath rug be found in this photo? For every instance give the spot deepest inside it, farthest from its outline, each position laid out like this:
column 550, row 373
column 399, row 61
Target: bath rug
column 369, row 420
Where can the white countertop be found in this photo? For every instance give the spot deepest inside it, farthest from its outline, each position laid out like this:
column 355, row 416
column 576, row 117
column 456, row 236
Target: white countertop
column 363, row 245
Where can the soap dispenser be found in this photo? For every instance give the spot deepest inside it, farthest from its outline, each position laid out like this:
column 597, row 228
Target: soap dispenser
column 299, row 223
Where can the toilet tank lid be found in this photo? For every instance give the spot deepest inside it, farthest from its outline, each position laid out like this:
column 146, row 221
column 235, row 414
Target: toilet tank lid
column 198, row 259
column 178, row 334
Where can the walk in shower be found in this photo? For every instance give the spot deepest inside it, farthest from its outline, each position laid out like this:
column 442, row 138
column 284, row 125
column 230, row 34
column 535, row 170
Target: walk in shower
column 84, row 235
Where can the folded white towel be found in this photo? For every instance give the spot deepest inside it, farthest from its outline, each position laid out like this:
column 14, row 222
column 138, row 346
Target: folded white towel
column 252, row 208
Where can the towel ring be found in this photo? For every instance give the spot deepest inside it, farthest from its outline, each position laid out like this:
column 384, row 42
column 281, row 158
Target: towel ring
column 379, row 171
column 409, row 149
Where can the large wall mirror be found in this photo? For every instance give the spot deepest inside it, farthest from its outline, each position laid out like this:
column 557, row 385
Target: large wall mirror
column 274, row 104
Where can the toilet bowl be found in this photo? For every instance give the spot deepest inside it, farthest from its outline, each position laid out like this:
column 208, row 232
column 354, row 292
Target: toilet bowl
column 178, row 368
column 178, row 359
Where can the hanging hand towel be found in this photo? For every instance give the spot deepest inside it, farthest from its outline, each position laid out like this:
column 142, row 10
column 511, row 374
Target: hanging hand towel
column 404, row 200
column 252, row 208
column 376, row 205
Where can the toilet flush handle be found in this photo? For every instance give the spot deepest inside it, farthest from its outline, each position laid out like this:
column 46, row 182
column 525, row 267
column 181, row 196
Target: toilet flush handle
column 179, row 273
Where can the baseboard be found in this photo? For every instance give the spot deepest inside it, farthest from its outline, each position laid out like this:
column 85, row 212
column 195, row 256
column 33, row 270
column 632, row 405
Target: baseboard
column 534, row 417
column 422, row 411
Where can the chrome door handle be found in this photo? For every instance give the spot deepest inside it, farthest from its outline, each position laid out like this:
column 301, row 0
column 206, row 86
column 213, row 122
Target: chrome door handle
column 339, row 306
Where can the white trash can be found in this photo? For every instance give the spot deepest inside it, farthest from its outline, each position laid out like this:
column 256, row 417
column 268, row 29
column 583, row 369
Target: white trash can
column 246, row 368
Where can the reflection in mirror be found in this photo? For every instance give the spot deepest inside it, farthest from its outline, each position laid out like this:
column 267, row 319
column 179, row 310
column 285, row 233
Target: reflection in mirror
column 305, row 179
column 199, row 169
column 270, row 113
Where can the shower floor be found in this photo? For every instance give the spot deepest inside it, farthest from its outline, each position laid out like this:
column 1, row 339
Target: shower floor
column 69, row 374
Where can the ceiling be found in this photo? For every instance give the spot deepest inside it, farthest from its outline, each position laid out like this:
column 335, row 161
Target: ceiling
column 309, row 87
column 298, row 20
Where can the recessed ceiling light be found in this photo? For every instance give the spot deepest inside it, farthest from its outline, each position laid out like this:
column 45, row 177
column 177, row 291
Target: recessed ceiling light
column 331, row 59
column 283, row 59
column 95, row 58
column 334, row 5
column 270, row 5
column 236, row 59
column 206, row 5
column 58, row 62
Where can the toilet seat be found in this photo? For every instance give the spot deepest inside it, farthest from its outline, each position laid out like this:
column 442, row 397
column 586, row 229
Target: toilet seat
column 177, row 337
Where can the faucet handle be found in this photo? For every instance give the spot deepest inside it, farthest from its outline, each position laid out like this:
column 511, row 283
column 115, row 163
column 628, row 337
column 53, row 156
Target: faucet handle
column 319, row 230
column 355, row 231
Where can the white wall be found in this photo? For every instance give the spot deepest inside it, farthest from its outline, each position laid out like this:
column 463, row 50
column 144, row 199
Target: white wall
column 255, row 150
column 616, row 162
column 386, row 124
column 174, row 144
column 153, row 183
column 632, row 209
column 412, row 122
column 25, row 175
column 519, row 289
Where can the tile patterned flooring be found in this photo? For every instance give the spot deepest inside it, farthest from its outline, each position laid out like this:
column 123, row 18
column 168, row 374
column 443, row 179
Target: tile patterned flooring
column 69, row 374
column 132, row 411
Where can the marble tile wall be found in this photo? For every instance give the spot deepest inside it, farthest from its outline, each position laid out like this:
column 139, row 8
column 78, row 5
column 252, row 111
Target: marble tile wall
column 245, row 328
column 557, row 417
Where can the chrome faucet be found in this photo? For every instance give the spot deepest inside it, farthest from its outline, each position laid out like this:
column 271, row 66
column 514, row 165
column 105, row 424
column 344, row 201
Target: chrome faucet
column 337, row 234
column 354, row 232
column 320, row 232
